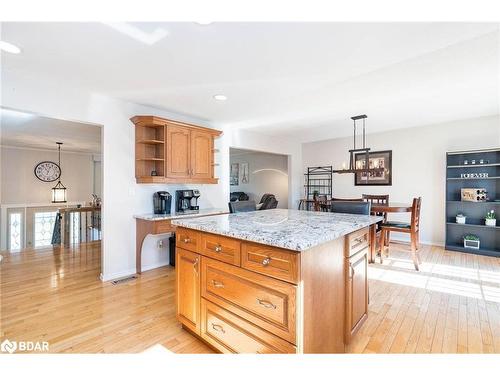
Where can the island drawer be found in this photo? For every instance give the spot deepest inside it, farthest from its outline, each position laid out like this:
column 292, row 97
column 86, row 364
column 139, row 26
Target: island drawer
column 231, row 334
column 357, row 241
column 187, row 239
column 278, row 263
column 266, row 302
column 221, row 248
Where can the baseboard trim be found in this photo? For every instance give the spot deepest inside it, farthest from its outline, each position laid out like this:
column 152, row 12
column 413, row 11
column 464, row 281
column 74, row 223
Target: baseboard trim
column 156, row 265
column 122, row 274
column 407, row 242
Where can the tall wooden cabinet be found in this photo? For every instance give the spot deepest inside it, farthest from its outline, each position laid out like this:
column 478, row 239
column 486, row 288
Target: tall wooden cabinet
column 173, row 152
column 188, row 297
column 356, row 282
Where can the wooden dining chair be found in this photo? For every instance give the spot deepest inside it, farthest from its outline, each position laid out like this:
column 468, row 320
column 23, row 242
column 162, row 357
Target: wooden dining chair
column 412, row 228
column 377, row 199
column 320, row 202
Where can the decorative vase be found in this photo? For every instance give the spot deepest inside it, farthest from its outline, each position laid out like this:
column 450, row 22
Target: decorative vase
column 491, row 222
column 460, row 219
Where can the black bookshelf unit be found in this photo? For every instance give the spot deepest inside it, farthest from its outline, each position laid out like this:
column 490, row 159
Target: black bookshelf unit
column 475, row 169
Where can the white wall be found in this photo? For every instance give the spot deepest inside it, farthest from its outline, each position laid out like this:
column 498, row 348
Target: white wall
column 20, row 185
column 268, row 173
column 122, row 197
column 418, row 164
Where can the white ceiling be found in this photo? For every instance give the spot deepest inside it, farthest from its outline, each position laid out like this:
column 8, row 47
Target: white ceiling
column 301, row 79
column 20, row 129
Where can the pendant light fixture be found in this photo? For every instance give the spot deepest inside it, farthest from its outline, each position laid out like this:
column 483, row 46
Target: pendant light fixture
column 59, row 191
column 359, row 167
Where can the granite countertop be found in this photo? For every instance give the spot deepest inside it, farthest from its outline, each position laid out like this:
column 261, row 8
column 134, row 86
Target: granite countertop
column 177, row 215
column 288, row 229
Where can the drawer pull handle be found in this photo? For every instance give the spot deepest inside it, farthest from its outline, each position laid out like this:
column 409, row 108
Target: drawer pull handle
column 266, row 261
column 217, row 284
column 218, row 328
column 266, row 304
column 187, row 240
column 218, row 248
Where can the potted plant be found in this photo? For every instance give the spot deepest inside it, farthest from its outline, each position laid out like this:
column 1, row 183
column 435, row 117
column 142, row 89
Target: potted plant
column 471, row 241
column 460, row 218
column 491, row 219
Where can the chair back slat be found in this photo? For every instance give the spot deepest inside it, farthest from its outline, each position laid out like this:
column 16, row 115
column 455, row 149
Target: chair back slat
column 380, row 199
column 415, row 214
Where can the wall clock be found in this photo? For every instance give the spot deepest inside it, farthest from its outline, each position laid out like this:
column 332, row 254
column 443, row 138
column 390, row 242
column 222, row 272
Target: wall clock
column 47, row 171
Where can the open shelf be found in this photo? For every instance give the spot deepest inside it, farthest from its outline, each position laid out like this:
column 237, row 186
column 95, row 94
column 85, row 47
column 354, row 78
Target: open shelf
column 473, row 179
column 471, row 202
column 474, row 165
column 480, row 251
column 473, row 225
column 151, row 141
column 475, row 211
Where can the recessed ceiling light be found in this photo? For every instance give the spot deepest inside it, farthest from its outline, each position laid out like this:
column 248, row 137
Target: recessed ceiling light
column 220, row 97
column 204, row 22
column 9, row 47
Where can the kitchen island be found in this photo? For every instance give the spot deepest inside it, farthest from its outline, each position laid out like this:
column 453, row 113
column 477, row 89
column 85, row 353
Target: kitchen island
column 274, row 281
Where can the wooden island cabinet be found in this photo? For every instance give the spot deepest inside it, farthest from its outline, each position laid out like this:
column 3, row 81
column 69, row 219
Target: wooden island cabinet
column 246, row 297
column 170, row 151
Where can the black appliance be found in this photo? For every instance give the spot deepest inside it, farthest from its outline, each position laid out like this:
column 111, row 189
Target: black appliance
column 184, row 200
column 171, row 251
column 162, row 201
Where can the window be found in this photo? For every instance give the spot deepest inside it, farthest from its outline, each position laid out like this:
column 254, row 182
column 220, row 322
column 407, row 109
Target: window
column 15, row 231
column 44, row 226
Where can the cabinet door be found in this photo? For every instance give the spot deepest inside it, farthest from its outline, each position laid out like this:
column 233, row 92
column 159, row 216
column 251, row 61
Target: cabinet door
column 201, row 154
column 188, row 289
column 357, row 293
column 178, row 152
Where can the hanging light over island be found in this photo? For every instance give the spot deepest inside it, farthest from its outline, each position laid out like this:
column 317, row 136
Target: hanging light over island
column 353, row 166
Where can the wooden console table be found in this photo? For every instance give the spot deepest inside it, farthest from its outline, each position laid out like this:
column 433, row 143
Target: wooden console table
column 158, row 224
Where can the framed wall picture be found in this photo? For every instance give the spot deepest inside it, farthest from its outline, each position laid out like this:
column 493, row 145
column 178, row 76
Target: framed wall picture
column 234, row 174
column 245, row 173
column 376, row 159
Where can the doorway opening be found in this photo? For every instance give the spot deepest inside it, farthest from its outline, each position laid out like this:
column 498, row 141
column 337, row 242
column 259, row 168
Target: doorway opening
column 36, row 219
column 259, row 176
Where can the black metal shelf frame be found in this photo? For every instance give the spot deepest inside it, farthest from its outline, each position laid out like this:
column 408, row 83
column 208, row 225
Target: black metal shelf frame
column 318, row 179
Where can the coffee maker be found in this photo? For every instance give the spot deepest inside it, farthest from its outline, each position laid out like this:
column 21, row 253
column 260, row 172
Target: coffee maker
column 162, row 201
column 184, row 200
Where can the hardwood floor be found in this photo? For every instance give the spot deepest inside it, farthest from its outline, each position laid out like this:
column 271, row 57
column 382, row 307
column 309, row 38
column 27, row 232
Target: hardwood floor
column 451, row 306
column 58, row 297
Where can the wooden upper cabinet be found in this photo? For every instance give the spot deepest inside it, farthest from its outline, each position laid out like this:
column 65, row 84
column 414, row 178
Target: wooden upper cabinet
column 178, row 147
column 173, row 152
column 201, row 154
